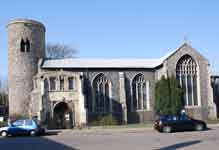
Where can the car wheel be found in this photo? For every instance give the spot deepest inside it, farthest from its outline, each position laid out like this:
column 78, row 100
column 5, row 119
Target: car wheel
column 199, row 127
column 167, row 129
column 4, row 134
column 32, row 133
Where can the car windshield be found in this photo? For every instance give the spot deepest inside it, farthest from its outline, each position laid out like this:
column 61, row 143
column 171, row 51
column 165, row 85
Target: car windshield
column 37, row 122
column 18, row 123
column 184, row 117
column 28, row 122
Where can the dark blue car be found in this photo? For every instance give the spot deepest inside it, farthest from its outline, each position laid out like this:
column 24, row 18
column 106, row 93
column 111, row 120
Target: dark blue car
column 22, row 127
column 172, row 123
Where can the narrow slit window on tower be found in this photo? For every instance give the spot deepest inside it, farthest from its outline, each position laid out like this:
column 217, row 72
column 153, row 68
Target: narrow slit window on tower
column 27, row 46
column 22, row 46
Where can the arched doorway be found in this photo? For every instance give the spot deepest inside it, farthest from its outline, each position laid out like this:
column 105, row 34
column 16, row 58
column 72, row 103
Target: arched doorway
column 62, row 116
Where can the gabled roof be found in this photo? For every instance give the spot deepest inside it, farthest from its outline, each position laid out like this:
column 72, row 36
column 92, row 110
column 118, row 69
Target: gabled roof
column 174, row 51
column 107, row 63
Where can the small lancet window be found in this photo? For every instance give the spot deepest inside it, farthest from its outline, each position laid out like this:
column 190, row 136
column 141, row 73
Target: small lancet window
column 27, row 46
column 22, row 46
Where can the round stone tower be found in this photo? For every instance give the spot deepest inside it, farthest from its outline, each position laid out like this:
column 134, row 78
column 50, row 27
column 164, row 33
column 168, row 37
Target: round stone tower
column 26, row 45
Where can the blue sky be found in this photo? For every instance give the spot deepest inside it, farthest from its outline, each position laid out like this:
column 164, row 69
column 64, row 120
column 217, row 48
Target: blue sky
column 120, row 28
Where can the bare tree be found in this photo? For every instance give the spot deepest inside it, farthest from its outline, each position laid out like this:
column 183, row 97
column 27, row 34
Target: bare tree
column 3, row 91
column 58, row 51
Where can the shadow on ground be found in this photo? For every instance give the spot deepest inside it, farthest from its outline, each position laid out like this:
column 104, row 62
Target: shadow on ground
column 33, row 143
column 52, row 132
column 180, row 145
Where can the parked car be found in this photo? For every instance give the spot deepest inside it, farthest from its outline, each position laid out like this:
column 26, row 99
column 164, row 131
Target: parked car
column 171, row 123
column 22, row 127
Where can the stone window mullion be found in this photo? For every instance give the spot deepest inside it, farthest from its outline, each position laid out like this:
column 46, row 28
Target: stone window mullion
column 131, row 92
column 192, row 90
column 186, row 86
column 148, row 95
column 136, row 95
column 142, row 96
column 180, row 78
column 104, row 97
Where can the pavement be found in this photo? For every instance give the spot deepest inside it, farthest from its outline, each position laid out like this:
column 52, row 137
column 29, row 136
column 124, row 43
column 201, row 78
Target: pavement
column 115, row 129
column 116, row 139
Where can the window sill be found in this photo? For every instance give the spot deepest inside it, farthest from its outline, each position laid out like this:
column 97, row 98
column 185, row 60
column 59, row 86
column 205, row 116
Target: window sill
column 62, row 91
column 142, row 110
column 190, row 107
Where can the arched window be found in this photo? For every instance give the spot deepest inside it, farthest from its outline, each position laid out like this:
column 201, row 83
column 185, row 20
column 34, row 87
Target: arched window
column 22, row 46
column 101, row 94
column 186, row 73
column 27, row 46
column 140, row 93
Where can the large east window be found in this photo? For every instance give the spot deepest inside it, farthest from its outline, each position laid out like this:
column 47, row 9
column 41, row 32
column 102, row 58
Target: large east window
column 187, row 73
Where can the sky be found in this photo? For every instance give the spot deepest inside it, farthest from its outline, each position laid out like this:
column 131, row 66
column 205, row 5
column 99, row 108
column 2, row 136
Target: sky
column 120, row 28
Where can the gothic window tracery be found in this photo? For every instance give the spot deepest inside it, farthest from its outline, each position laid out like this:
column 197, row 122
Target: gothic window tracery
column 140, row 93
column 187, row 74
column 101, row 94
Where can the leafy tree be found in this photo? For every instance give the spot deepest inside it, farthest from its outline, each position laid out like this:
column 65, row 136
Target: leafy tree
column 58, row 51
column 168, row 96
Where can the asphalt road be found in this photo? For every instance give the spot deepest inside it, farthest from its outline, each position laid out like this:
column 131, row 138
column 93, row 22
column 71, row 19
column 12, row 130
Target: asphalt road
column 116, row 140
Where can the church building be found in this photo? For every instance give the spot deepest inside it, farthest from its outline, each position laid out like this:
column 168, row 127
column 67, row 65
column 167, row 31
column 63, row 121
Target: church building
column 77, row 90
